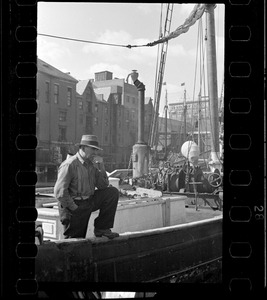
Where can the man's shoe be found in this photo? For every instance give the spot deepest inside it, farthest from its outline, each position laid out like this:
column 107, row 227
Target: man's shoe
column 105, row 232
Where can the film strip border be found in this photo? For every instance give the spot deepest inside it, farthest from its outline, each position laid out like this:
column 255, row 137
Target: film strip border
column 18, row 177
column 244, row 207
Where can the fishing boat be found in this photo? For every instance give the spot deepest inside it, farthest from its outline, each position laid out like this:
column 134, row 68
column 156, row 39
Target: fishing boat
column 160, row 228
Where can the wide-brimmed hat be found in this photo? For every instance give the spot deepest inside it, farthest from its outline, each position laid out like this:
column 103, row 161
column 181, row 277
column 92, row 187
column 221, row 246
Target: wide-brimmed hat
column 90, row 141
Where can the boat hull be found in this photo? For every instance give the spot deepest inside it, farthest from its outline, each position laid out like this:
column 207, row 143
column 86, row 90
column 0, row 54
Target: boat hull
column 133, row 257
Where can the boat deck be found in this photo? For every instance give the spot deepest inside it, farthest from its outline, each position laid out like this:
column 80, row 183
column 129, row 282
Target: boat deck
column 201, row 213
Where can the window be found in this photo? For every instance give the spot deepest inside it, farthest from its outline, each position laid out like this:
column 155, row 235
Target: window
column 116, row 99
column 89, row 107
column 106, row 110
column 47, row 92
column 80, row 102
column 81, row 119
column 100, row 96
column 133, row 100
column 88, row 124
column 56, row 93
column 62, row 116
column 62, row 133
column 69, row 96
column 96, row 120
column 96, row 107
column 88, row 96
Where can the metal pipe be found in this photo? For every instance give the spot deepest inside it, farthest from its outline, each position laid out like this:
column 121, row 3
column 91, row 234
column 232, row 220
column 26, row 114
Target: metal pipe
column 140, row 155
column 141, row 107
column 141, row 114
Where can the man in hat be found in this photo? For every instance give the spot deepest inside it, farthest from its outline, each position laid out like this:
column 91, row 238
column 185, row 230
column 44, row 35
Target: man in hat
column 78, row 176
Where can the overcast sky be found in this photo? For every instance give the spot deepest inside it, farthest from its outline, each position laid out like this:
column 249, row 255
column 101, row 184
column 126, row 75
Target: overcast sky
column 124, row 24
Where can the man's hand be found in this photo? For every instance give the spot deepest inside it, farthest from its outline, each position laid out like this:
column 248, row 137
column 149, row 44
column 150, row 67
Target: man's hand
column 98, row 162
column 97, row 159
column 65, row 221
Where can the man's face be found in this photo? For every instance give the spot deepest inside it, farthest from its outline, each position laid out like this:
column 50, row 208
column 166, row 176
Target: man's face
column 89, row 152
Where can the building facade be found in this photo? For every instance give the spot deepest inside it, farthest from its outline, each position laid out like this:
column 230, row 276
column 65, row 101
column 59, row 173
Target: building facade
column 197, row 114
column 68, row 108
column 56, row 118
column 120, row 126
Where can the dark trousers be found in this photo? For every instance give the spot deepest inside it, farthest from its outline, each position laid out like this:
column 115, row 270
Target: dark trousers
column 105, row 201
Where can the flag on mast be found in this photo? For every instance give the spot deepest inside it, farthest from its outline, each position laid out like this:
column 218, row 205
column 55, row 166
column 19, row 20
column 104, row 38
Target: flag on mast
column 182, row 84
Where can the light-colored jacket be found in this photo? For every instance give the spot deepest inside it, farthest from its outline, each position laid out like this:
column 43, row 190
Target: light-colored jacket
column 77, row 177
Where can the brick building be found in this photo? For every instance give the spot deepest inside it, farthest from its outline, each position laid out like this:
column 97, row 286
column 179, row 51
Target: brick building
column 56, row 118
column 68, row 108
column 120, row 100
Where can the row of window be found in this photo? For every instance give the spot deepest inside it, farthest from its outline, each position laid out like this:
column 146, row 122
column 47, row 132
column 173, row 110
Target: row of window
column 63, row 118
column 80, row 102
column 56, row 94
column 63, row 135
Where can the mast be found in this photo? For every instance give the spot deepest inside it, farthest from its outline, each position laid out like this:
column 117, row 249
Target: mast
column 198, row 122
column 166, row 123
column 185, row 108
column 153, row 136
column 212, row 88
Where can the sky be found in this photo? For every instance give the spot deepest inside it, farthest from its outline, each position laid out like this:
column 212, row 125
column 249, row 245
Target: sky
column 128, row 24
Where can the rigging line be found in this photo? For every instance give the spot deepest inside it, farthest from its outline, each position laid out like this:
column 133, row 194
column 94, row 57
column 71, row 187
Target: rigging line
column 89, row 42
column 217, row 31
column 201, row 70
column 156, row 76
column 205, row 107
column 199, row 137
column 200, row 88
column 157, row 65
column 204, row 87
column 203, row 83
column 192, row 118
column 196, row 14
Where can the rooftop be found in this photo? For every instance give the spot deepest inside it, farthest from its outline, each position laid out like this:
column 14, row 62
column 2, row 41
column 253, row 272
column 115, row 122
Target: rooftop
column 52, row 71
